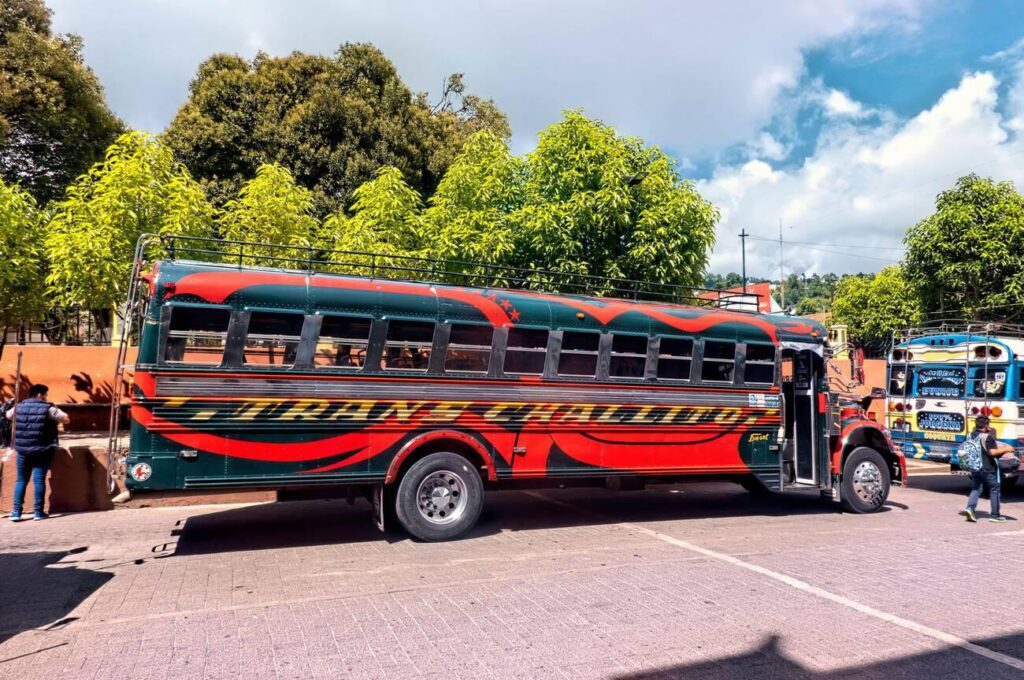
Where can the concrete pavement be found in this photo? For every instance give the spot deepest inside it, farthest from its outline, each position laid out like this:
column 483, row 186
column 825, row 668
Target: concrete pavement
column 694, row 580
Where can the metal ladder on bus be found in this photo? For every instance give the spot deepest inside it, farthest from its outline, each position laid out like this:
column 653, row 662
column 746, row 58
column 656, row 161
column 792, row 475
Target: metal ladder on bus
column 115, row 456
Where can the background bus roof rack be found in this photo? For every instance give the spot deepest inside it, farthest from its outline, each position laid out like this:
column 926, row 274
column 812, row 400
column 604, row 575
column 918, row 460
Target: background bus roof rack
column 961, row 327
column 312, row 260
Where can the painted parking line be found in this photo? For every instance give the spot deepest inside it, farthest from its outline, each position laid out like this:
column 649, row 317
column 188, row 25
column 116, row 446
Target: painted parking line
column 805, row 587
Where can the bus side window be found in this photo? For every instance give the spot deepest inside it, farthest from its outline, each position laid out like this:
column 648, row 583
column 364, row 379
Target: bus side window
column 272, row 339
column 525, row 351
column 197, row 335
column 760, row 366
column 898, row 380
column 408, row 345
column 579, row 354
column 469, row 348
column 342, row 342
column 719, row 361
column 629, row 356
column 675, row 356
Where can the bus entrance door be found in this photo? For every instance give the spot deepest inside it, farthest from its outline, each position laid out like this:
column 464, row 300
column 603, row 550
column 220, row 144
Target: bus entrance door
column 802, row 419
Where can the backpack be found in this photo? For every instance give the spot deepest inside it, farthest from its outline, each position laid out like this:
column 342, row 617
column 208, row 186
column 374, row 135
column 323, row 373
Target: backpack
column 969, row 454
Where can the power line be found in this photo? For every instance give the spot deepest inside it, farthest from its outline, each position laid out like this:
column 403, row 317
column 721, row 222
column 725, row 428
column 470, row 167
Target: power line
column 829, row 245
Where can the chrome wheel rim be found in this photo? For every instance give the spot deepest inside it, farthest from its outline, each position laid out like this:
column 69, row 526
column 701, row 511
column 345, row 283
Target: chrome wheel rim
column 867, row 482
column 441, row 497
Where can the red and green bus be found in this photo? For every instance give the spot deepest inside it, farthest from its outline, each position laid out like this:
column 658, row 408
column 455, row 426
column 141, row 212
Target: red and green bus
column 423, row 395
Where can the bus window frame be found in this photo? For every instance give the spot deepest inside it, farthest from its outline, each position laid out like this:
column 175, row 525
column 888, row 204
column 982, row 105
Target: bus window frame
column 341, row 370
column 655, row 347
column 248, row 312
column 608, row 354
column 431, row 368
column 699, row 352
column 554, row 343
column 166, row 310
column 983, row 368
column 741, row 364
column 596, row 353
column 445, row 345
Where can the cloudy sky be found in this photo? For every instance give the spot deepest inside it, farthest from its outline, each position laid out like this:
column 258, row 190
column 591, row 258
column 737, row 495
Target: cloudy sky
column 839, row 120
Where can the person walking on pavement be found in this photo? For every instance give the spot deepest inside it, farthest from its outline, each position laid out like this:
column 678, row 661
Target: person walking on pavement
column 35, row 440
column 988, row 474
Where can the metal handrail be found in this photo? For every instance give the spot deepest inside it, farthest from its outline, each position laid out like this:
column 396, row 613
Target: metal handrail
column 311, row 260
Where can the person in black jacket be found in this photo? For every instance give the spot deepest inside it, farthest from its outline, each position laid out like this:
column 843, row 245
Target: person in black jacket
column 988, row 475
column 35, row 439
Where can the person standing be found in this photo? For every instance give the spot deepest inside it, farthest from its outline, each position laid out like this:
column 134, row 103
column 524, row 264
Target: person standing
column 988, row 475
column 35, row 440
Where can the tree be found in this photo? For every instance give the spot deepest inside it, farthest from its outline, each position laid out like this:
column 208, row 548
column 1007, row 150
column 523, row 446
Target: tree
column 875, row 306
column 139, row 188
column 271, row 208
column 54, row 122
column 22, row 259
column 967, row 258
column 332, row 121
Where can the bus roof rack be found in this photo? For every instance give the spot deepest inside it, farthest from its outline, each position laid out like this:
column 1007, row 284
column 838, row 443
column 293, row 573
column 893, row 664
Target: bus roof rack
column 311, row 260
column 960, row 327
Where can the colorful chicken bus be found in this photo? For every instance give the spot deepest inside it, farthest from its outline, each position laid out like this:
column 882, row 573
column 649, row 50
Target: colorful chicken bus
column 941, row 378
column 423, row 395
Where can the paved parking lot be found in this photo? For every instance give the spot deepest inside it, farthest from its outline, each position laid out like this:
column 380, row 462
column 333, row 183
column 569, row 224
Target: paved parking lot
column 697, row 580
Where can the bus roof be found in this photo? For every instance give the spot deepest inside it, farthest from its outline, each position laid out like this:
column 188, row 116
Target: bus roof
column 958, row 347
column 284, row 289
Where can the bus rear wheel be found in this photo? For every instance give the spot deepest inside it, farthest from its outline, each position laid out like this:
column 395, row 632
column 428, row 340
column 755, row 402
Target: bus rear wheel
column 439, row 497
column 865, row 485
column 1008, row 484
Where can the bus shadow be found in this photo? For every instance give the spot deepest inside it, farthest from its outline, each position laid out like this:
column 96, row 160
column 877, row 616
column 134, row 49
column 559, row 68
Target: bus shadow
column 769, row 660
column 959, row 485
column 303, row 523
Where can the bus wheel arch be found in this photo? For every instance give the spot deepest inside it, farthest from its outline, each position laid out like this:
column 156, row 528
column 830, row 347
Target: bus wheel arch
column 427, row 443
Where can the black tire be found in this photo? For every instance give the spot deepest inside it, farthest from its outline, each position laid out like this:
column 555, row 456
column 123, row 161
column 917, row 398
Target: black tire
column 1008, row 484
column 452, row 497
column 865, row 485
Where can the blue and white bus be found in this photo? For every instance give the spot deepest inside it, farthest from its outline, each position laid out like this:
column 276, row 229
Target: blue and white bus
column 940, row 379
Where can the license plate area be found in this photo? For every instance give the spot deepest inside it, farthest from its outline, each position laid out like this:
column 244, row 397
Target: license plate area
column 934, row 421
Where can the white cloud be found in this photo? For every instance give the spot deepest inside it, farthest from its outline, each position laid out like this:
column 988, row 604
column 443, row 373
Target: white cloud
column 839, row 104
column 865, row 184
column 692, row 77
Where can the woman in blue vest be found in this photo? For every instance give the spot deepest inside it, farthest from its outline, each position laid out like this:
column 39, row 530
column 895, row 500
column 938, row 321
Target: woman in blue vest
column 35, row 439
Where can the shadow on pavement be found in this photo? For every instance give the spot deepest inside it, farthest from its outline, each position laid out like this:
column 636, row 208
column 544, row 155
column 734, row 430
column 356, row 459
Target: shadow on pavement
column 323, row 522
column 34, row 594
column 960, row 485
column 770, row 661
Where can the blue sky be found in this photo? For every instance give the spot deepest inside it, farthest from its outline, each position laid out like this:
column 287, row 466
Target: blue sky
column 841, row 119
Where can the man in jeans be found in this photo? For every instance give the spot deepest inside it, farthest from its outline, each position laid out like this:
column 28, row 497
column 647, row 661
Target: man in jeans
column 988, row 475
column 35, row 440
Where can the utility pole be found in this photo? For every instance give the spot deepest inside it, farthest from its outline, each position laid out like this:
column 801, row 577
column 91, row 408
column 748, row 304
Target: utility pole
column 782, row 276
column 743, row 241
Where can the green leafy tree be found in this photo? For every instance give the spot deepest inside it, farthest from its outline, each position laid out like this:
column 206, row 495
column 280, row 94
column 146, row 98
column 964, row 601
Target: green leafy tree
column 332, row 121
column 54, row 122
column 139, row 188
column 22, row 259
column 875, row 306
column 585, row 201
column 967, row 258
column 271, row 208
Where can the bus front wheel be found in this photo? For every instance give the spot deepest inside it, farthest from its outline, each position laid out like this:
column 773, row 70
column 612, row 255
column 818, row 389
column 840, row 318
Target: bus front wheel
column 439, row 497
column 865, row 485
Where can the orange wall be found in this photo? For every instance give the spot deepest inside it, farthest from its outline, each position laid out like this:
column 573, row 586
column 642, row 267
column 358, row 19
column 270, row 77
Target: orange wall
column 75, row 375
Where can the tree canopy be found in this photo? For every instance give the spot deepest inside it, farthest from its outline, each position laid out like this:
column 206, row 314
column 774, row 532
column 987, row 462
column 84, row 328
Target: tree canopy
column 22, row 258
column 967, row 258
column 139, row 188
column 876, row 305
column 585, row 201
column 332, row 121
column 54, row 122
